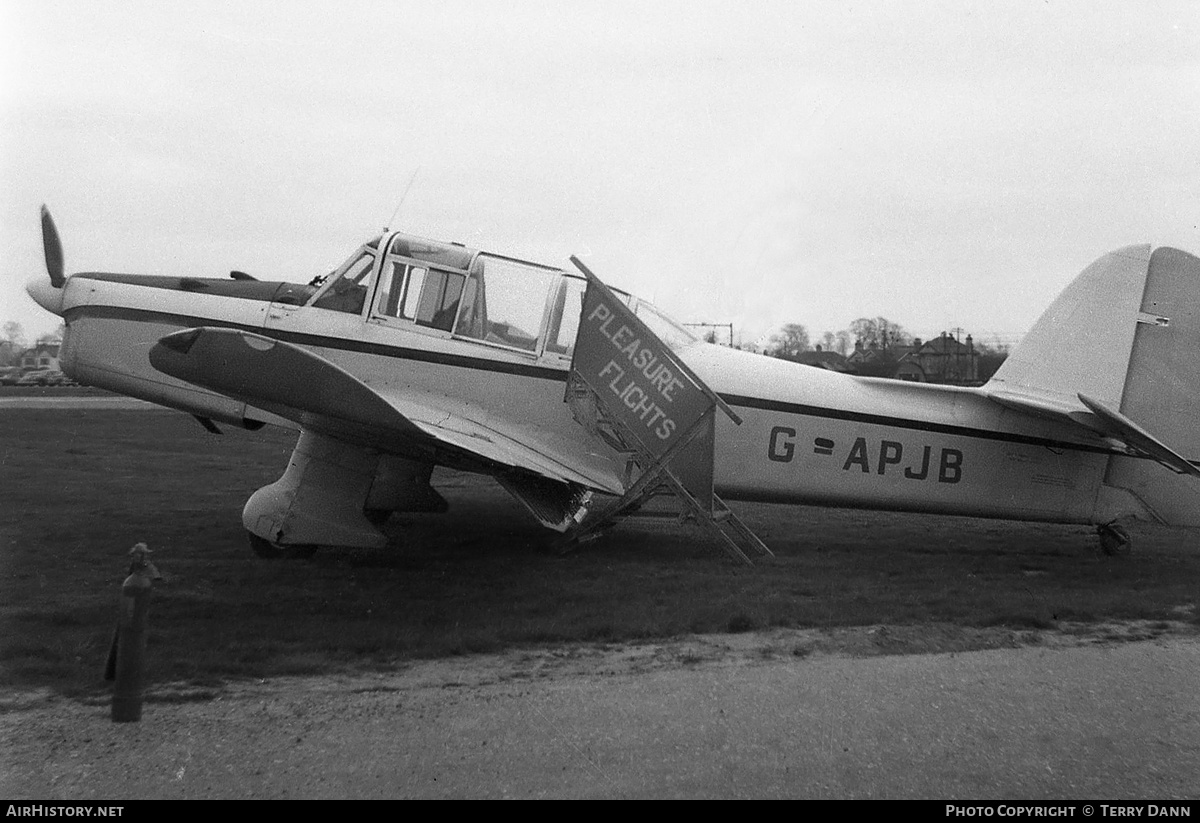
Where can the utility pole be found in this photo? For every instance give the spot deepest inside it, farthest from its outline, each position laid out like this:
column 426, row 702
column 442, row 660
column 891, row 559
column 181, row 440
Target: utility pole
column 958, row 377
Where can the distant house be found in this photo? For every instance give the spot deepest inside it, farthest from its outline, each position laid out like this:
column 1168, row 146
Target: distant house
column 41, row 356
column 873, row 361
column 862, row 355
column 940, row 360
column 829, row 360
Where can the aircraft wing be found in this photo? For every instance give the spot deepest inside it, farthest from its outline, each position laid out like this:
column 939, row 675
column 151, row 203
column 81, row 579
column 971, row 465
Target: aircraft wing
column 1100, row 420
column 321, row 396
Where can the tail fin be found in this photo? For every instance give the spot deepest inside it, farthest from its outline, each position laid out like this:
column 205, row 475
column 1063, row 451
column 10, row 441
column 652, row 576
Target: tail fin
column 1082, row 343
column 1127, row 332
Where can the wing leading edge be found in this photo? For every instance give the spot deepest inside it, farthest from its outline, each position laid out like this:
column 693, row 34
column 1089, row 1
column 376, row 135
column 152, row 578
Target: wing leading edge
column 302, row 386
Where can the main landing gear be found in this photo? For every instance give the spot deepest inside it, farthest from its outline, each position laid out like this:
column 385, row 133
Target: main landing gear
column 303, row 551
column 335, row 494
column 270, row 551
column 1114, row 539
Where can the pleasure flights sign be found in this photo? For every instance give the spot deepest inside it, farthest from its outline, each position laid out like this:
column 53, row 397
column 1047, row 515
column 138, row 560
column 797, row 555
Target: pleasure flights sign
column 647, row 392
column 635, row 376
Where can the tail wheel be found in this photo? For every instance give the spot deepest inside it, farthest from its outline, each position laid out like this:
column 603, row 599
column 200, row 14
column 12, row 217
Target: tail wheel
column 272, row 551
column 1114, row 539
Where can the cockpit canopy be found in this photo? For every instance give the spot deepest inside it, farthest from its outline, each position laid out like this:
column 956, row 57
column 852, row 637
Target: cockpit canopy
column 470, row 294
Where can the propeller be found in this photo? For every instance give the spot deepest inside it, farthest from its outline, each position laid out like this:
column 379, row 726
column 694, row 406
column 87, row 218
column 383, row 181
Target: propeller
column 49, row 295
column 53, row 248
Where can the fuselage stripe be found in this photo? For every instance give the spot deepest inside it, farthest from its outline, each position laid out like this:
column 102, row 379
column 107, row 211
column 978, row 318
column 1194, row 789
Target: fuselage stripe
column 556, row 374
column 905, row 423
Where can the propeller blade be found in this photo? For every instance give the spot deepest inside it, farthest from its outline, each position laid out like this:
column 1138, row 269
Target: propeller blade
column 53, row 248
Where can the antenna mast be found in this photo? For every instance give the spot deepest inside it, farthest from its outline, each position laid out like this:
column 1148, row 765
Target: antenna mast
column 411, row 180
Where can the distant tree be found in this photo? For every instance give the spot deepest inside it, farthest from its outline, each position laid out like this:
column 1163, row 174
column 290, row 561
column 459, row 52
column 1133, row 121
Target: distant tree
column 55, row 336
column 892, row 334
column 789, row 341
column 879, row 331
column 843, row 343
column 828, row 341
column 864, row 332
column 14, row 334
column 12, row 343
column 990, row 359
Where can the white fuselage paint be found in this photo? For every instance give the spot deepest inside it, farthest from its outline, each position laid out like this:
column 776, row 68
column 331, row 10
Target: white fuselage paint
column 808, row 435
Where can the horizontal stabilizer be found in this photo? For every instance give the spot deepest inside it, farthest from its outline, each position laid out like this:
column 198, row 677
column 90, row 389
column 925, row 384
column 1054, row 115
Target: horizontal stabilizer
column 1049, row 407
column 1096, row 419
column 1138, row 439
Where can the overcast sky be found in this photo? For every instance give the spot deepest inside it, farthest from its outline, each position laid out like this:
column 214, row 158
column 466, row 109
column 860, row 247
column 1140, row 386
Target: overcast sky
column 941, row 164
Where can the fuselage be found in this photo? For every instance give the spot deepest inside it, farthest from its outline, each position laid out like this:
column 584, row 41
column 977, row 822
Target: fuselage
column 807, row 435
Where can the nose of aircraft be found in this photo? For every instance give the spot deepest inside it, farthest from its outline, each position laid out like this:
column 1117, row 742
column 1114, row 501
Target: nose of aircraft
column 45, row 294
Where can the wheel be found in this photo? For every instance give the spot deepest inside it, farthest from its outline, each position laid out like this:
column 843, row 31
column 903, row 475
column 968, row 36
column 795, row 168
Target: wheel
column 302, row 552
column 1114, row 539
column 377, row 517
column 271, row 551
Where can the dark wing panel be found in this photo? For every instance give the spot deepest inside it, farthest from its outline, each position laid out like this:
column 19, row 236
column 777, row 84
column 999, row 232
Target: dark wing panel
column 299, row 385
column 277, row 376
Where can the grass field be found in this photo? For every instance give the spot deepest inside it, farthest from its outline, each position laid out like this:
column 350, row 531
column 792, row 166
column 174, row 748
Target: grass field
column 78, row 487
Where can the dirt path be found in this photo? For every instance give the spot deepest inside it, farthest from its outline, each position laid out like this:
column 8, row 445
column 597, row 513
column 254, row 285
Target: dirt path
column 718, row 716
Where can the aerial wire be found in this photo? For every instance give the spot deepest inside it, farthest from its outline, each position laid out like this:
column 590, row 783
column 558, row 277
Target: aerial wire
column 411, row 180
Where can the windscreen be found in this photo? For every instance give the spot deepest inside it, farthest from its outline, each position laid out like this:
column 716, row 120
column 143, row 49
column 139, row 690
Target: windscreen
column 348, row 286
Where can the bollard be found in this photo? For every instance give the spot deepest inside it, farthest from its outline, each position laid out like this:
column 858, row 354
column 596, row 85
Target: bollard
column 127, row 658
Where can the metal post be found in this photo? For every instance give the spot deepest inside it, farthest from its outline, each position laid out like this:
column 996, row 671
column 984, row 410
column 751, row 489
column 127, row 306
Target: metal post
column 127, row 661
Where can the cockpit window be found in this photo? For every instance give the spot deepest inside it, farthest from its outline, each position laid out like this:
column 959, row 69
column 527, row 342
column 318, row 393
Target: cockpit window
column 565, row 312
column 667, row 330
column 503, row 301
column 499, row 300
column 427, row 296
column 567, row 308
column 348, row 286
column 399, row 289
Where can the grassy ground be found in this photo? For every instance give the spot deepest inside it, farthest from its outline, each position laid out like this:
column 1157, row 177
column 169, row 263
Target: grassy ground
column 78, row 487
column 53, row 391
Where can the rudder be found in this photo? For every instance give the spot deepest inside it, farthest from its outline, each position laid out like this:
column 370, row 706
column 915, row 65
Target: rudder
column 1162, row 386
